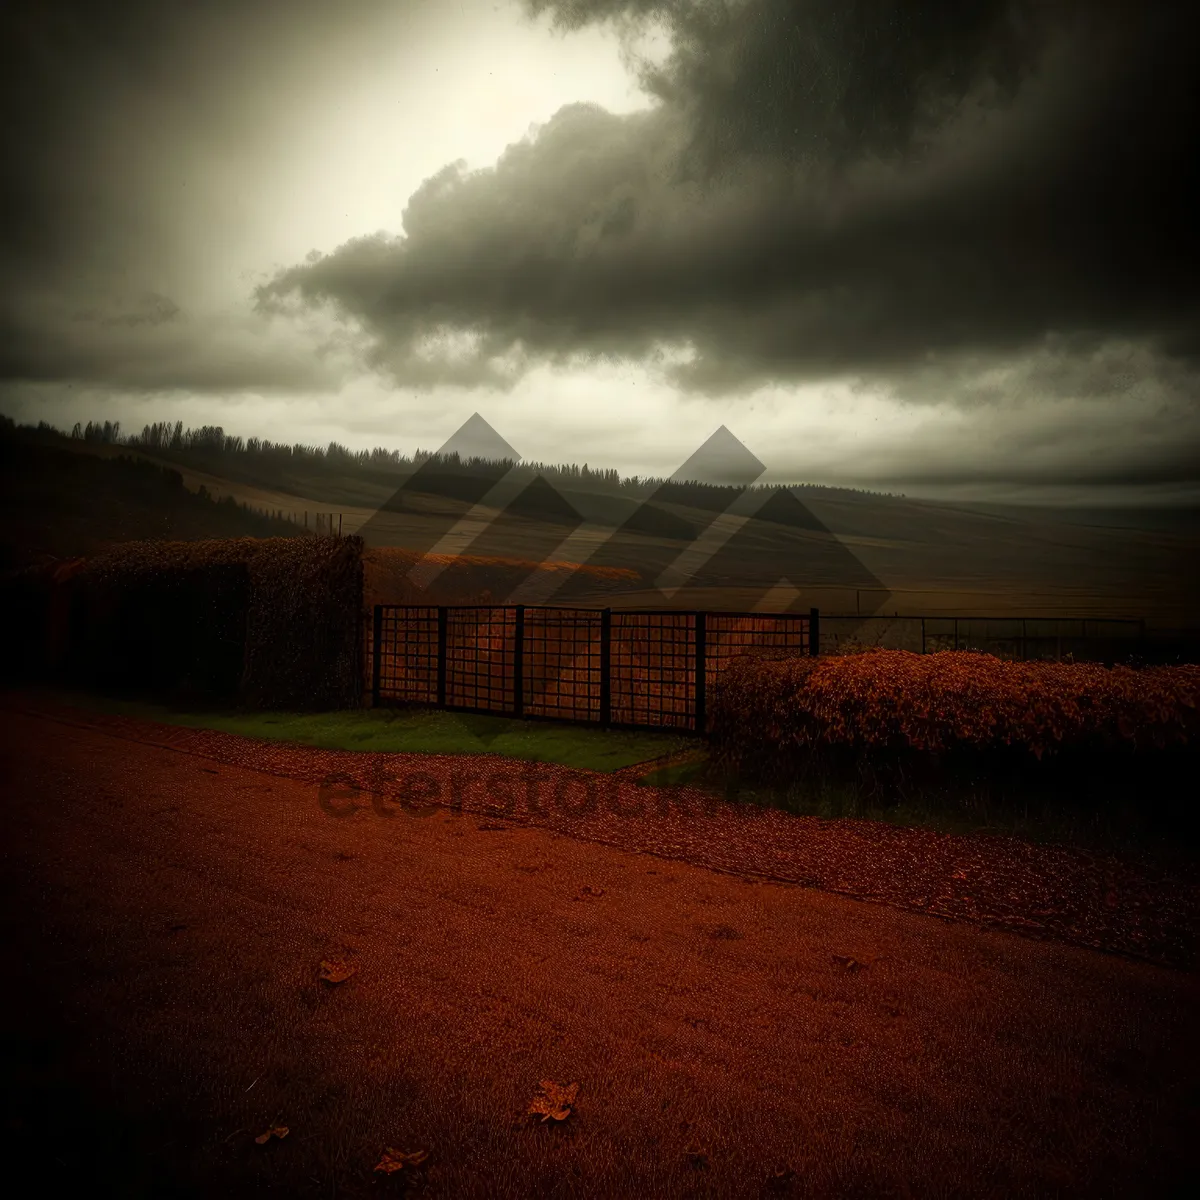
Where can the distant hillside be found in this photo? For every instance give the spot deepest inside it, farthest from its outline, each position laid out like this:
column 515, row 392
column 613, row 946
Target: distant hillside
column 65, row 504
column 336, row 475
column 299, row 476
column 838, row 549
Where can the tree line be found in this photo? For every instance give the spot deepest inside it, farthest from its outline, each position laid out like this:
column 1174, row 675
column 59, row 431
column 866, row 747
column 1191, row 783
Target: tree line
column 211, row 447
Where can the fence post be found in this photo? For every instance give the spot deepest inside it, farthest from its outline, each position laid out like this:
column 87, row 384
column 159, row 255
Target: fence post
column 339, row 524
column 376, row 654
column 519, row 664
column 701, row 676
column 441, row 656
column 605, row 666
column 814, row 631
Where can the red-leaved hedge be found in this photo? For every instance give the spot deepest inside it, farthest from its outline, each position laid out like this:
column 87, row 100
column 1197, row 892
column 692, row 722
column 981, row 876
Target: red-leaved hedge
column 892, row 700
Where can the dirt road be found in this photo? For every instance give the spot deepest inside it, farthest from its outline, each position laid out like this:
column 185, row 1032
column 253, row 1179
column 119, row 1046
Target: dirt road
column 165, row 917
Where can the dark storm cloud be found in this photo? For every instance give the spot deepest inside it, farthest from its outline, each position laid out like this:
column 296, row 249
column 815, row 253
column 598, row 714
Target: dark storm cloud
column 111, row 112
column 824, row 187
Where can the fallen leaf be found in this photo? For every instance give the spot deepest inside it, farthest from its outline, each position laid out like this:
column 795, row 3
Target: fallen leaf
column 851, row 964
column 279, row 1131
column 588, row 890
column 555, row 1101
column 396, row 1160
column 336, row 970
column 725, row 932
column 779, row 1181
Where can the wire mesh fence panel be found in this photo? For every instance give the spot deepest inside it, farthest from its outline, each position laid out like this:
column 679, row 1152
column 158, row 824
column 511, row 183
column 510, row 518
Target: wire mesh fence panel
column 634, row 668
column 1002, row 638
column 1035, row 639
column 767, row 635
column 841, row 633
column 406, row 656
column 652, row 675
column 1112, row 629
column 562, row 663
column 480, row 659
column 639, row 667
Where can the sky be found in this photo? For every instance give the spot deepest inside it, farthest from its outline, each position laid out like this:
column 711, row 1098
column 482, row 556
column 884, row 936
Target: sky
column 945, row 249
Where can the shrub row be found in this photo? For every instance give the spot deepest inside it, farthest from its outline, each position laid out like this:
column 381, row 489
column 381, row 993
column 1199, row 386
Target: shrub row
column 891, row 701
column 276, row 620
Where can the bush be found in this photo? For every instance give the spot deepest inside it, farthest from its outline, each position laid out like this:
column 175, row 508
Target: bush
column 893, row 706
column 276, row 622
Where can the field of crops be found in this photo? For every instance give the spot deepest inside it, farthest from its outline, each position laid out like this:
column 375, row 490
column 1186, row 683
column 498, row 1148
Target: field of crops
column 463, row 578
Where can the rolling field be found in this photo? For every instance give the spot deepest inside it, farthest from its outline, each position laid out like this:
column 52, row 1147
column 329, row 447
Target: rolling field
column 879, row 554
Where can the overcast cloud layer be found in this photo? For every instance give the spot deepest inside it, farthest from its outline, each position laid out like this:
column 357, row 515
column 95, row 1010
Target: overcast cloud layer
column 826, row 188
column 977, row 207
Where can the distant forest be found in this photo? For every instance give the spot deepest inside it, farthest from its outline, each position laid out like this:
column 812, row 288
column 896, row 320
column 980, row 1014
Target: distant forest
column 262, row 462
column 64, row 503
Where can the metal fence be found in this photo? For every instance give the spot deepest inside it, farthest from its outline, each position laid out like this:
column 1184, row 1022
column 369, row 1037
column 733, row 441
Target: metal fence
column 1102, row 640
column 327, row 523
column 653, row 668
column 632, row 669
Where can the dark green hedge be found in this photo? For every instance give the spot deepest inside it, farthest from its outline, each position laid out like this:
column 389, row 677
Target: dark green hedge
column 272, row 623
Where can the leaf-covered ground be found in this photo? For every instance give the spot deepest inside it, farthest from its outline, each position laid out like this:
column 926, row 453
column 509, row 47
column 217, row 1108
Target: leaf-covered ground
column 202, row 952
column 1128, row 905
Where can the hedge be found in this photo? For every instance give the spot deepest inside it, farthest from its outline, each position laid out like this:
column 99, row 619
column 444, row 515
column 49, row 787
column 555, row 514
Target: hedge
column 275, row 622
column 890, row 701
